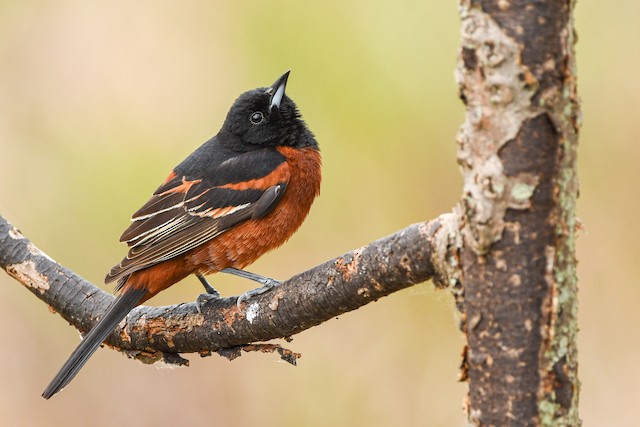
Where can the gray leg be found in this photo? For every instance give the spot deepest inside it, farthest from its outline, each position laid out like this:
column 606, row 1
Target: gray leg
column 266, row 282
column 207, row 287
column 211, row 294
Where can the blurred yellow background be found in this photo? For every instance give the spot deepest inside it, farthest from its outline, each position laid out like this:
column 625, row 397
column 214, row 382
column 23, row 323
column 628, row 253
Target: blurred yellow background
column 98, row 101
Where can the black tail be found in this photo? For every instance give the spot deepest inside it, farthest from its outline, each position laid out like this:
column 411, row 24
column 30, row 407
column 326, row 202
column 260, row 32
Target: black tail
column 118, row 311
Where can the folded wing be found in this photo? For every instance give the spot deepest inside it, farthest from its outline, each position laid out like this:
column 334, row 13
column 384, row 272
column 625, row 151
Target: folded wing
column 183, row 214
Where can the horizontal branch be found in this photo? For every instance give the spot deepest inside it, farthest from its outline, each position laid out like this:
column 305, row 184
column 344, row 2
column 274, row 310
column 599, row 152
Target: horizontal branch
column 407, row 257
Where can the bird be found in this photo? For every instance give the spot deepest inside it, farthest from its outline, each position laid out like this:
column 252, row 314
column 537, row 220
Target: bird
column 241, row 194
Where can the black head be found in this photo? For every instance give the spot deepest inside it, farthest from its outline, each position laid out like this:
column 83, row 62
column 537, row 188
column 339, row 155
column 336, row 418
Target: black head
column 266, row 117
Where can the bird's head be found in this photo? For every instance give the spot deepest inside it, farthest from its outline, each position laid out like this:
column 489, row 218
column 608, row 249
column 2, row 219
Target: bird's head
column 266, row 117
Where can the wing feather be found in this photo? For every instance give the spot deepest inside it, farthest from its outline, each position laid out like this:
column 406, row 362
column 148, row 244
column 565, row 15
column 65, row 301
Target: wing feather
column 183, row 214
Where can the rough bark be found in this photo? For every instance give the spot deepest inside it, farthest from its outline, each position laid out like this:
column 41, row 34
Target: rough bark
column 408, row 257
column 517, row 149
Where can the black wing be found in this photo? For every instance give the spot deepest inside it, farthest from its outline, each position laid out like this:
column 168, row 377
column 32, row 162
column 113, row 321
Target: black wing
column 185, row 213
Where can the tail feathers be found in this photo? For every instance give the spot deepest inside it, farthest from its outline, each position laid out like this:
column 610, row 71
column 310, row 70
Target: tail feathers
column 118, row 311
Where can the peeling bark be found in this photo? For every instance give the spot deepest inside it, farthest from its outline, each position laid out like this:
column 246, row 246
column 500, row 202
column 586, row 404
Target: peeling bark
column 517, row 149
column 153, row 334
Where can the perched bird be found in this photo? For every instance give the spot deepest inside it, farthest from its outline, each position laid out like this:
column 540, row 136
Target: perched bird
column 242, row 193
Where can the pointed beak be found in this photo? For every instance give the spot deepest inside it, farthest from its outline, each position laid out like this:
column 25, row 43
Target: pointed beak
column 277, row 89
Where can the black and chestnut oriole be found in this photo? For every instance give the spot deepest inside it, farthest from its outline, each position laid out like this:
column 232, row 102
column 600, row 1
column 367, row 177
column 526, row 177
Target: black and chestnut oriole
column 242, row 193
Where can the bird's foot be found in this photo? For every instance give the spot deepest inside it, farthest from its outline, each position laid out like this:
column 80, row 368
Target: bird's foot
column 210, row 295
column 267, row 285
column 204, row 299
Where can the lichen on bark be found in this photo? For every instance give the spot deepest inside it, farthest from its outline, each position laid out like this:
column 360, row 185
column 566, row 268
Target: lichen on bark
column 517, row 147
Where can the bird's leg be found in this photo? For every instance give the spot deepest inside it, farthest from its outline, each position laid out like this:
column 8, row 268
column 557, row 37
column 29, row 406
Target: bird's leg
column 207, row 286
column 266, row 282
column 211, row 294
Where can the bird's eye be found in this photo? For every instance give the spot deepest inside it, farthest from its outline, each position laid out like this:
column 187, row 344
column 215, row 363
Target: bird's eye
column 256, row 118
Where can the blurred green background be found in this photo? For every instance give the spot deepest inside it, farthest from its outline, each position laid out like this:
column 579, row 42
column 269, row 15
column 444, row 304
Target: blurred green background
column 98, row 100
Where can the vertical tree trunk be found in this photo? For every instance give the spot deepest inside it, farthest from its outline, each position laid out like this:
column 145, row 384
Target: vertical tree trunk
column 517, row 150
